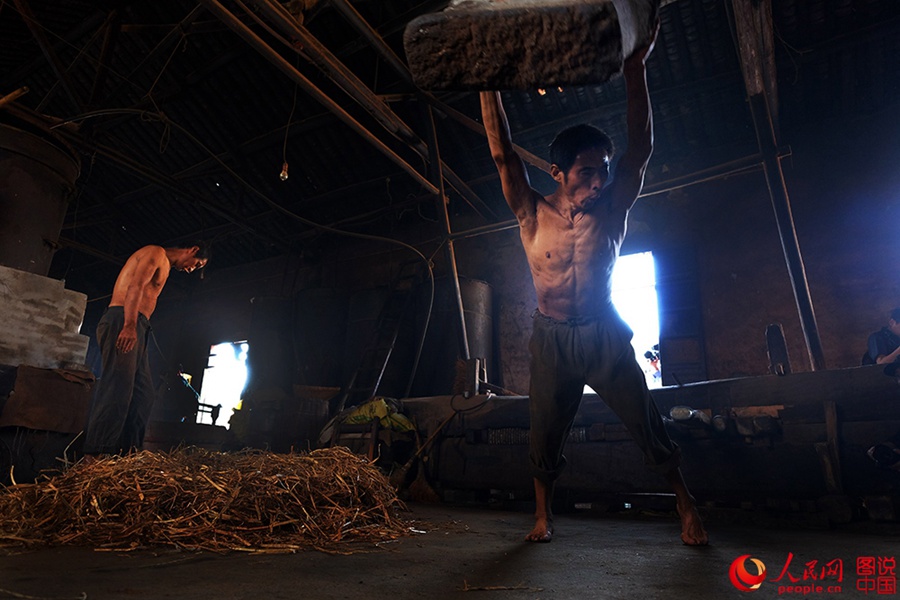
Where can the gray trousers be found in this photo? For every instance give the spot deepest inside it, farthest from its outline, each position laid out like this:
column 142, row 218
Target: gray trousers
column 566, row 355
column 124, row 394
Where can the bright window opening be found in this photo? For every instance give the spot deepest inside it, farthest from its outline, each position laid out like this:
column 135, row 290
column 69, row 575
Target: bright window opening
column 223, row 383
column 634, row 295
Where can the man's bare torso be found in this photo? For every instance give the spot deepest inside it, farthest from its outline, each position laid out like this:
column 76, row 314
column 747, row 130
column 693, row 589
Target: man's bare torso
column 144, row 274
column 571, row 259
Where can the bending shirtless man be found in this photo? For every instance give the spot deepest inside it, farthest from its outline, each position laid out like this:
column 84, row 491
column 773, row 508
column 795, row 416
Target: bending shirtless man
column 124, row 396
column 572, row 239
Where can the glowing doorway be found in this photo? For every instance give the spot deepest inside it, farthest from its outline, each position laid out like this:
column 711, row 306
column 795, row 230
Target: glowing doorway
column 634, row 295
column 223, row 383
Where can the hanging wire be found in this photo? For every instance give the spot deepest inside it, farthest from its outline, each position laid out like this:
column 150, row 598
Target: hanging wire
column 149, row 93
column 147, row 115
column 166, row 132
column 77, row 202
column 287, row 128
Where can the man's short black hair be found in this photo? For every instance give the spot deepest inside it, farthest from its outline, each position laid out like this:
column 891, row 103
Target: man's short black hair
column 204, row 248
column 569, row 142
column 895, row 315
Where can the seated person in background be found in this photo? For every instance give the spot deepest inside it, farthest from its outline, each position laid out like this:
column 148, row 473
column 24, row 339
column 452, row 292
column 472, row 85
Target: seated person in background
column 884, row 345
column 887, row 454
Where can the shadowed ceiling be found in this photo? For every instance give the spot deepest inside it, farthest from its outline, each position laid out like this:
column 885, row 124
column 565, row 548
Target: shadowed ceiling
column 183, row 114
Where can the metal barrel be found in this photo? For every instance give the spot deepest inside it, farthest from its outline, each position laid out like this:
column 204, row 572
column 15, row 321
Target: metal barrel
column 437, row 369
column 37, row 180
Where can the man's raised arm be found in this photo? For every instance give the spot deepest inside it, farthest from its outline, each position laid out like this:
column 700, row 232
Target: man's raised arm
column 513, row 175
column 633, row 164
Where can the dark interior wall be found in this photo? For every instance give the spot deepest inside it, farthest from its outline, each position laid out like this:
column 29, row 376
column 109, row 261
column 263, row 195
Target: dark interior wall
column 743, row 280
column 196, row 313
column 842, row 183
column 841, row 179
column 845, row 184
column 238, row 303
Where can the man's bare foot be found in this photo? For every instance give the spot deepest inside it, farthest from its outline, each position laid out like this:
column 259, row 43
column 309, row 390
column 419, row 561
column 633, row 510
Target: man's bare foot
column 542, row 532
column 692, row 531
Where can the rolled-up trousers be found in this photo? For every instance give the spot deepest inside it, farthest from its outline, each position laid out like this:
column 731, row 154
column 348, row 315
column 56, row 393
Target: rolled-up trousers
column 596, row 351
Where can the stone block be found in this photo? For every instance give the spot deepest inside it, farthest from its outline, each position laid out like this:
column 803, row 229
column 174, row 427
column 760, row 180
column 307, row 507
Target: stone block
column 525, row 44
column 40, row 320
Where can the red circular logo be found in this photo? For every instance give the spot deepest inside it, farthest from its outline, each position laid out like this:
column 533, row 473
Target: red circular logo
column 741, row 578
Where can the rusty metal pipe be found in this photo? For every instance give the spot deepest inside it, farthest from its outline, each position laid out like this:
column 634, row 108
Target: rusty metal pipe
column 467, row 193
column 13, row 95
column 401, row 69
column 374, row 38
column 285, row 67
column 321, row 57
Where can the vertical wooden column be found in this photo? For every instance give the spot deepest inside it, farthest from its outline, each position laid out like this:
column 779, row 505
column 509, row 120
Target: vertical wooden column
column 753, row 24
column 436, row 177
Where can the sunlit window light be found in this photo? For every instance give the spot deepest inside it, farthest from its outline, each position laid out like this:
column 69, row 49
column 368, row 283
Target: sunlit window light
column 634, row 296
column 223, row 382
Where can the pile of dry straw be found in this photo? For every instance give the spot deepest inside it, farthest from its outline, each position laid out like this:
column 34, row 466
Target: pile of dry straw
column 196, row 499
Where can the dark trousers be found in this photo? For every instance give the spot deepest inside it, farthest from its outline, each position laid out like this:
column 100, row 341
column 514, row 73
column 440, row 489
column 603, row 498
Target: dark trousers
column 124, row 394
column 566, row 355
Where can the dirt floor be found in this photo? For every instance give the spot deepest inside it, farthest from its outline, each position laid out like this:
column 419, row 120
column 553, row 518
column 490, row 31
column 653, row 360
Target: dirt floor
column 479, row 553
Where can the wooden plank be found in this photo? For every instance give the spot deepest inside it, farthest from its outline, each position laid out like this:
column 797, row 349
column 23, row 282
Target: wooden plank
column 832, row 437
column 48, row 400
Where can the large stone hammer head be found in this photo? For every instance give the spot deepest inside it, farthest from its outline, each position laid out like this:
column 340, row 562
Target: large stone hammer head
column 525, row 44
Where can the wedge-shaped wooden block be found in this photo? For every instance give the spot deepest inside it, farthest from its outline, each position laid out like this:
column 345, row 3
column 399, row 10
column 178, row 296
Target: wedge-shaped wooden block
column 525, row 44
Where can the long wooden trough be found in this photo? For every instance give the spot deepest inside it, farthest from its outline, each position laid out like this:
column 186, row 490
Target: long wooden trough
column 800, row 440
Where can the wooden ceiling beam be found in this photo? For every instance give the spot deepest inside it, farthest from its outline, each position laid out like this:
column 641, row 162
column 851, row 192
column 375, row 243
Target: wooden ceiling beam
column 313, row 51
column 49, row 53
column 756, row 48
column 753, row 26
